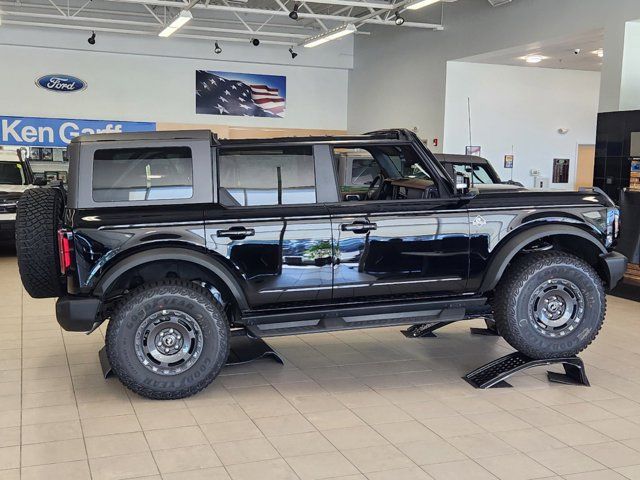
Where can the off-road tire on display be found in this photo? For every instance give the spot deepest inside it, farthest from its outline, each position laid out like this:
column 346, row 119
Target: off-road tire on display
column 38, row 217
column 549, row 305
column 195, row 329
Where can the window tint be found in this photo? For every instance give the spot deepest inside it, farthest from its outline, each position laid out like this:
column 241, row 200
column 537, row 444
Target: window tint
column 133, row 174
column 266, row 176
column 384, row 172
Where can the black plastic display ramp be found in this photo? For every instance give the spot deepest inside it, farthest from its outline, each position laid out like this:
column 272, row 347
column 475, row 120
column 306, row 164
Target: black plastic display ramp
column 243, row 349
column 489, row 331
column 495, row 373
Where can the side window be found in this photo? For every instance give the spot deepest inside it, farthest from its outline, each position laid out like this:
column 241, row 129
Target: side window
column 134, row 174
column 383, row 172
column 266, row 176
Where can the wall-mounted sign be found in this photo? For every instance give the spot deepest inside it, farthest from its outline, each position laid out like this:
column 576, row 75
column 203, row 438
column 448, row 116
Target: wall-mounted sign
column 508, row 161
column 560, row 170
column 61, row 83
column 240, row 94
column 472, row 150
column 58, row 132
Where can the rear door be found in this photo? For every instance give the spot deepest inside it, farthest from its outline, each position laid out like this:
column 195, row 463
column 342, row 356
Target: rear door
column 404, row 236
column 269, row 223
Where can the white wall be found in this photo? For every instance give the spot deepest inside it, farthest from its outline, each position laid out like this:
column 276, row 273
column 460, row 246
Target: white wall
column 521, row 107
column 153, row 79
column 630, row 83
column 399, row 75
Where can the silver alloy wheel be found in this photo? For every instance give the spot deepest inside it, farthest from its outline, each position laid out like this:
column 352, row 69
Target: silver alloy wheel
column 556, row 307
column 168, row 342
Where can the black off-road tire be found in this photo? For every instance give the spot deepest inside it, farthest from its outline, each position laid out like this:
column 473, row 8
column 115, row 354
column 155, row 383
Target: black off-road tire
column 38, row 218
column 518, row 288
column 131, row 312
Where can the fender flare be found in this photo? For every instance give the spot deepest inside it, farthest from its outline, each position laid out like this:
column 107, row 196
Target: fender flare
column 505, row 252
column 176, row 254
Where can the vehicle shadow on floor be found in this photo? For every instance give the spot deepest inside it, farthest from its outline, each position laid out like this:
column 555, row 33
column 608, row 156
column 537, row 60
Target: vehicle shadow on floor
column 7, row 251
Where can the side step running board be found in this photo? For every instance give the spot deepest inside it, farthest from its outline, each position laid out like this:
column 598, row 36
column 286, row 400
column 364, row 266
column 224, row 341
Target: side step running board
column 288, row 323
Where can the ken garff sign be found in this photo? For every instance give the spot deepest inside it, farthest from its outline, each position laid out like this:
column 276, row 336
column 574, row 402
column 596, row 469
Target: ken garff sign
column 61, row 83
column 58, row 132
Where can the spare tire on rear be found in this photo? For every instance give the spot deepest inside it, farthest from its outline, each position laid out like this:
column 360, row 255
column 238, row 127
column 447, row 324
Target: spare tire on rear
column 38, row 219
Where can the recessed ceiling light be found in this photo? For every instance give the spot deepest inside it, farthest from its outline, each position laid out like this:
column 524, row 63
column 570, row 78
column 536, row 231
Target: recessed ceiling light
column 599, row 52
column 533, row 58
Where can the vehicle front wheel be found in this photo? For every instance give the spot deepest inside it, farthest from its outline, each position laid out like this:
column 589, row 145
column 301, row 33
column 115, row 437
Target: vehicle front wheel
column 168, row 340
column 549, row 305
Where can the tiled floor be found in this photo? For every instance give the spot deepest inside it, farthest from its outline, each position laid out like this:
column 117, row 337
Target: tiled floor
column 355, row 405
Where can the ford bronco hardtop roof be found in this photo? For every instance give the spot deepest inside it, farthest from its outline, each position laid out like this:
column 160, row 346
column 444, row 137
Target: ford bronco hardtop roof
column 392, row 134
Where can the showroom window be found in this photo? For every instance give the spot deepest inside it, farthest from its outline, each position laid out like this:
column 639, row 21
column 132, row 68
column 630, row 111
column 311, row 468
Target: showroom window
column 134, row 174
column 383, row 172
column 266, row 176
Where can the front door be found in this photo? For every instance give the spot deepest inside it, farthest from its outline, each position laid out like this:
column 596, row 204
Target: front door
column 402, row 238
column 268, row 225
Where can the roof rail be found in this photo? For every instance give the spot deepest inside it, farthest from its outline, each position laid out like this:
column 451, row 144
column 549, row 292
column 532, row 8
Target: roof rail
column 395, row 133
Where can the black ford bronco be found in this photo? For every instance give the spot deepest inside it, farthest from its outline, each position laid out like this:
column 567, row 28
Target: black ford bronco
column 176, row 238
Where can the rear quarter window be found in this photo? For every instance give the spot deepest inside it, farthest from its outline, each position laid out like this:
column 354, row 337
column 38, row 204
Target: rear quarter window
column 139, row 174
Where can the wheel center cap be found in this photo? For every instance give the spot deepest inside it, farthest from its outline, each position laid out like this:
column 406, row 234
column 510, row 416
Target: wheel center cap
column 169, row 341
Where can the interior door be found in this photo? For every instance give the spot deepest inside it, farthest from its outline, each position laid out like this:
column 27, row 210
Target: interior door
column 585, row 164
column 268, row 226
column 402, row 238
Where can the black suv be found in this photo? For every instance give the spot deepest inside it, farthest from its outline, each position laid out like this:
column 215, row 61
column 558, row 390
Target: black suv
column 176, row 238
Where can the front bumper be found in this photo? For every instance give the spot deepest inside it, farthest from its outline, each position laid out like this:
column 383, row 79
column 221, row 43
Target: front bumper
column 615, row 265
column 77, row 314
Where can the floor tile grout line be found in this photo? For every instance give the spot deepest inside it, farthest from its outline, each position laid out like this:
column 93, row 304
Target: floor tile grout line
column 84, row 442
column 21, row 375
column 303, row 416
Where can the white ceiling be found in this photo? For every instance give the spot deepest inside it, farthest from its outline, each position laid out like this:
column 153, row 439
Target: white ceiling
column 560, row 53
column 225, row 20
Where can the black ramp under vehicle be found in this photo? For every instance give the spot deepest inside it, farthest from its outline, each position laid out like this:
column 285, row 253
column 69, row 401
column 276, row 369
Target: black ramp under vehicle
column 176, row 239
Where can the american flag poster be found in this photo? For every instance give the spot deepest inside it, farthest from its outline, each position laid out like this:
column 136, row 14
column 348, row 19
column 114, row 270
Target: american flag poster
column 240, row 94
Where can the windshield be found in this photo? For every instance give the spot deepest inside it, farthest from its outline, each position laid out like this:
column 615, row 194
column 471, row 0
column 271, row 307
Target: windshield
column 479, row 173
column 11, row 173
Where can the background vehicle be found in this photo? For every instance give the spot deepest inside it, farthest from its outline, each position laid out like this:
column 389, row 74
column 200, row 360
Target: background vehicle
column 479, row 169
column 177, row 237
column 15, row 178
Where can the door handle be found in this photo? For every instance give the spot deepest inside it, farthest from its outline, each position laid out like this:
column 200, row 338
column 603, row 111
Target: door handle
column 358, row 227
column 236, row 233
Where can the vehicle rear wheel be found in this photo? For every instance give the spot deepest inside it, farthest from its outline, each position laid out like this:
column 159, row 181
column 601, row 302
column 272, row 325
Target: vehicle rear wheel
column 549, row 305
column 168, row 340
column 38, row 217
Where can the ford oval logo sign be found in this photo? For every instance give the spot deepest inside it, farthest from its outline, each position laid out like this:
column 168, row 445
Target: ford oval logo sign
column 61, row 83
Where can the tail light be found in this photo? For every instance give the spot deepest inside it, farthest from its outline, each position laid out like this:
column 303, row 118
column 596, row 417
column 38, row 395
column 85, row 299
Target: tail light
column 64, row 249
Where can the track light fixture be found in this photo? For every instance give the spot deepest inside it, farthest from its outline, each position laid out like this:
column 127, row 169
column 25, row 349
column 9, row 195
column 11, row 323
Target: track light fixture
column 92, row 38
column 255, row 42
column 293, row 15
column 399, row 19
column 293, row 54
column 217, row 49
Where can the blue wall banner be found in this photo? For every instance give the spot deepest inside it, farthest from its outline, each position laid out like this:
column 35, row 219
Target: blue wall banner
column 58, row 132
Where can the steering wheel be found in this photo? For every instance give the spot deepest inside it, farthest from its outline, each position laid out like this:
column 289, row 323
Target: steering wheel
column 374, row 188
